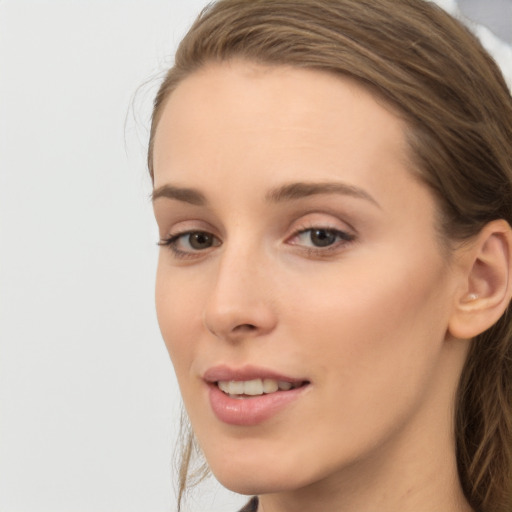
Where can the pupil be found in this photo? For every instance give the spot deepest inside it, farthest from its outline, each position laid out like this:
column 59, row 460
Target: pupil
column 200, row 240
column 322, row 238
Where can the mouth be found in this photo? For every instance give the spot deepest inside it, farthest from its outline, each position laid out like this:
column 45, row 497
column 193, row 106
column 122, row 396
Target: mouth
column 243, row 389
column 249, row 395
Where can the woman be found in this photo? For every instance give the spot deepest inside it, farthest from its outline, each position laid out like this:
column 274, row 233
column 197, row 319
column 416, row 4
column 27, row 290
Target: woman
column 332, row 186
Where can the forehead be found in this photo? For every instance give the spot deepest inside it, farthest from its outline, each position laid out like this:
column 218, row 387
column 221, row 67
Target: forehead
column 256, row 117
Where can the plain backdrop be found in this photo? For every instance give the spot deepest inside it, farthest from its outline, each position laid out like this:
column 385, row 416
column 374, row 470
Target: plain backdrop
column 88, row 401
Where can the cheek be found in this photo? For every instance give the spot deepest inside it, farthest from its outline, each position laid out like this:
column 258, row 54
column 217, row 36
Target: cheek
column 374, row 327
column 369, row 340
column 178, row 314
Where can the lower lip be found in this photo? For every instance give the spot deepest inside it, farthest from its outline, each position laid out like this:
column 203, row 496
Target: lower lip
column 250, row 411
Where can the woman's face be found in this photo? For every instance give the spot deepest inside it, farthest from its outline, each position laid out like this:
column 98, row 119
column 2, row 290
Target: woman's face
column 302, row 291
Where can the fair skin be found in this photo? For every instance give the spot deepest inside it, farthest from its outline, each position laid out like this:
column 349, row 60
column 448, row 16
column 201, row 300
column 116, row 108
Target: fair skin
column 344, row 289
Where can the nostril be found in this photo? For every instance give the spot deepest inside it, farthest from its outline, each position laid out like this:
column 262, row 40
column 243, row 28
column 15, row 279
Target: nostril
column 245, row 328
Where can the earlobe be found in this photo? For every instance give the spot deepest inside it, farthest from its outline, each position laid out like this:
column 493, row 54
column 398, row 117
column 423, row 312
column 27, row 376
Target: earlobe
column 487, row 281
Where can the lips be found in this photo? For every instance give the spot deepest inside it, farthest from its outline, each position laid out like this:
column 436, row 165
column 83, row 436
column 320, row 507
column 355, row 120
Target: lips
column 225, row 373
column 250, row 395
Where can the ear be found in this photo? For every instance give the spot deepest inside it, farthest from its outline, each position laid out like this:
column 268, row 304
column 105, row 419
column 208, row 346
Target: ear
column 486, row 287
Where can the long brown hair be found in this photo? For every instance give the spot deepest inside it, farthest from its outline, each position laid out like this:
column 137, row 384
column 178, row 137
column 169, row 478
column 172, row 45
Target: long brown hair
column 459, row 116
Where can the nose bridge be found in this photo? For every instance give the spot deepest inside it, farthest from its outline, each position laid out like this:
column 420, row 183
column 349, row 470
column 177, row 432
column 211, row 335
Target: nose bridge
column 239, row 303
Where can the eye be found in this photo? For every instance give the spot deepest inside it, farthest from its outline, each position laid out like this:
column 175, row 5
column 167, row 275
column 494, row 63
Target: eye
column 318, row 238
column 190, row 243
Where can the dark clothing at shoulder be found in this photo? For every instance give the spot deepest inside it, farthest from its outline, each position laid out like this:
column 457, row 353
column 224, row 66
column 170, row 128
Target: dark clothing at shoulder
column 252, row 506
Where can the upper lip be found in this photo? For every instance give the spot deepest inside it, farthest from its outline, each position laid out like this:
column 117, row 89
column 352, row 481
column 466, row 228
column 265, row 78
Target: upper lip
column 248, row 372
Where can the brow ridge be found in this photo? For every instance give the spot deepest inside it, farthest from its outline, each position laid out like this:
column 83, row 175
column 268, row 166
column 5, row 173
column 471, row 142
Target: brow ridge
column 187, row 195
column 293, row 191
column 286, row 192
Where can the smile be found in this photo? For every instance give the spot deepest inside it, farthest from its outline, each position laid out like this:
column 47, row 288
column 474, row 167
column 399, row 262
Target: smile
column 255, row 387
column 249, row 395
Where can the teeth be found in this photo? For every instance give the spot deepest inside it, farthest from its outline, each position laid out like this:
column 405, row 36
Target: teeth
column 270, row 386
column 254, row 387
column 285, row 386
column 237, row 388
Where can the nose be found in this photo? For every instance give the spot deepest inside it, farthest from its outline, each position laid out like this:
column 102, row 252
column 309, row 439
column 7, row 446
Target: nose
column 241, row 303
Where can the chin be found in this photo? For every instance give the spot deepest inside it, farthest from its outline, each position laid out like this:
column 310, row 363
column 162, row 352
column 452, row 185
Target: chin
column 251, row 475
column 262, row 482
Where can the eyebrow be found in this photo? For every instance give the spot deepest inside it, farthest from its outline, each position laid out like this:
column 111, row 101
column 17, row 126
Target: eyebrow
column 287, row 192
column 292, row 191
column 187, row 195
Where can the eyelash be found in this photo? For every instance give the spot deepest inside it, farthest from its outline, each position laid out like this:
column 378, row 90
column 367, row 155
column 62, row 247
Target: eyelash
column 343, row 238
column 172, row 243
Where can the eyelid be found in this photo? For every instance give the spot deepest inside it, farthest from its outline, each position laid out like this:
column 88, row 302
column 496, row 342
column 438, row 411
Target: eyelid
column 171, row 242
column 181, row 225
column 321, row 220
column 345, row 234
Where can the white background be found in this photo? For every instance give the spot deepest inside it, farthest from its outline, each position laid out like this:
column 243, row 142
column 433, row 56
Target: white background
column 88, row 402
